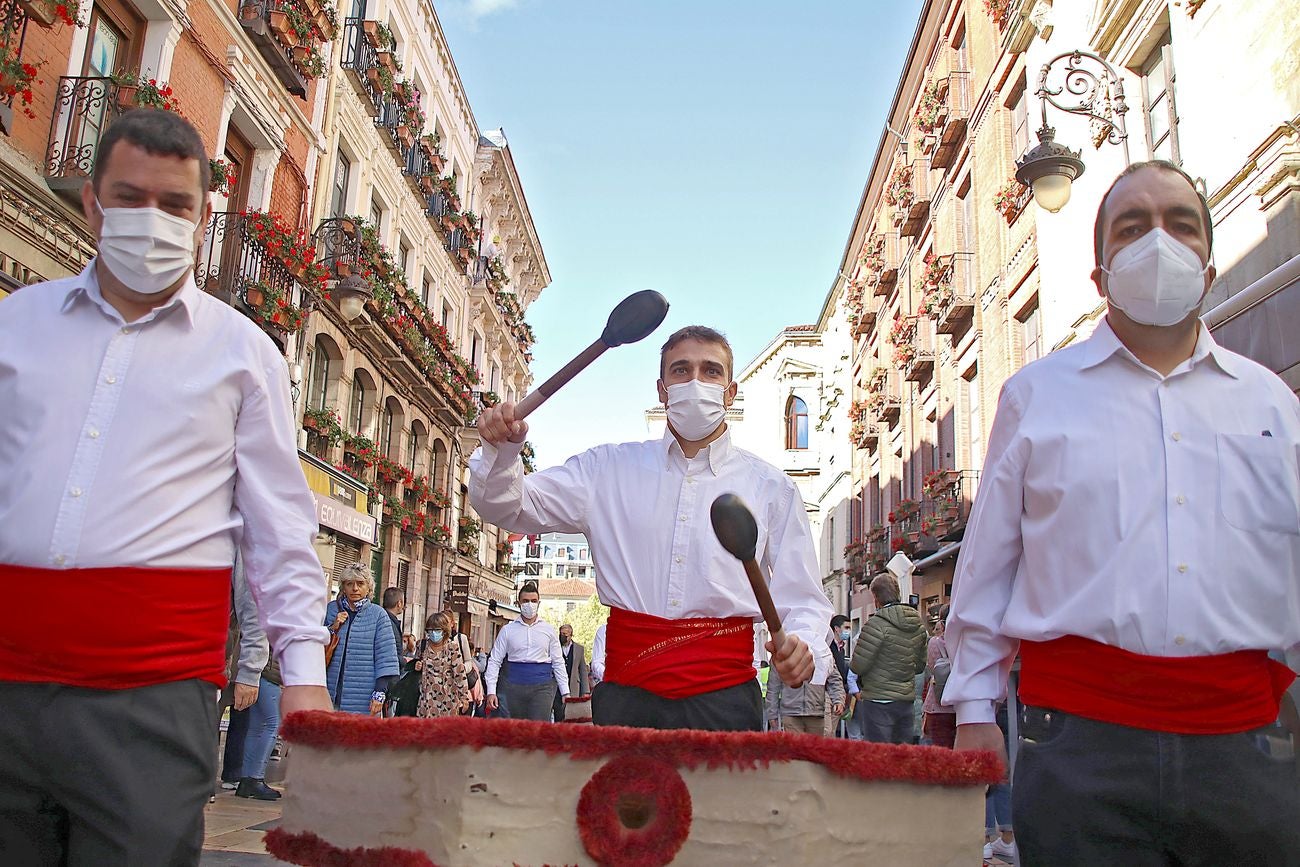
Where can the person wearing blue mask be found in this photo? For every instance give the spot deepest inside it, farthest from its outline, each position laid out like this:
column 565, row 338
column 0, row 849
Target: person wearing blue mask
column 444, row 690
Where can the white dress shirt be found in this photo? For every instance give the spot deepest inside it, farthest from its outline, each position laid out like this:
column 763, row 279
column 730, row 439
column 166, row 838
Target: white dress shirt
column 528, row 642
column 644, row 508
column 598, row 654
column 1160, row 515
column 166, row 441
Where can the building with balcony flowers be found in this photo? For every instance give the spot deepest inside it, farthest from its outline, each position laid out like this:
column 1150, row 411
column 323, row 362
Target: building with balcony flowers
column 346, row 155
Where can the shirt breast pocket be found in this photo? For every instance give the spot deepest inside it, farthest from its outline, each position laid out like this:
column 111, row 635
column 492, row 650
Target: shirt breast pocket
column 1259, row 484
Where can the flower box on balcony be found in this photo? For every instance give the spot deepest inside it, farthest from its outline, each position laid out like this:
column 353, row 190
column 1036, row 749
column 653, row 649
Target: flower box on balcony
column 371, row 29
column 39, row 11
column 405, row 133
column 254, row 296
column 386, row 60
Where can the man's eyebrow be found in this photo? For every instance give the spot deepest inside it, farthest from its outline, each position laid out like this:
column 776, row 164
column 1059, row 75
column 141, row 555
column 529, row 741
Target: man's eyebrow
column 1131, row 214
column 1183, row 211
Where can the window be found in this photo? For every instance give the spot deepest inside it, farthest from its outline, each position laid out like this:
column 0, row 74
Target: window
column 362, row 400
column 966, row 218
column 377, row 216
column 1158, row 103
column 1020, row 121
column 976, row 426
column 404, row 258
column 476, row 353
column 322, row 371
column 1030, row 334
column 415, row 445
column 796, row 423
column 426, row 291
column 339, row 189
column 386, row 431
column 961, row 52
column 447, row 319
column 116, row 32
column 496, row 377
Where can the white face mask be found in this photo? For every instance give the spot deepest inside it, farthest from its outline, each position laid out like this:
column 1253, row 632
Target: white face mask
column 528, row 610
column 1156, row 280
column 147, row 249
column 695, row 409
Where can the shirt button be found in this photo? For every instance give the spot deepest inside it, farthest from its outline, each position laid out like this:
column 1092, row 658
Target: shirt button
column 1182, row 567
column 1180, row 499
column 1177, row 436
column 681, row 517
column 679, row 559
column 76, row 492
column 60, row 560
column 1180, row 641
column 126, row 330
column 93, row 433
column 110, row 379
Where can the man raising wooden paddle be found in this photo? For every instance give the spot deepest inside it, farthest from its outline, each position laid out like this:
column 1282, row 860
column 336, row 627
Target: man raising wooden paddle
column 679, row 650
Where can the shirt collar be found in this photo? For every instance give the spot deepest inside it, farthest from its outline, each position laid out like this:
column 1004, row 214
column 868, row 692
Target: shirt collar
column 717, row 452
column 86, row 285
column 1103, row 344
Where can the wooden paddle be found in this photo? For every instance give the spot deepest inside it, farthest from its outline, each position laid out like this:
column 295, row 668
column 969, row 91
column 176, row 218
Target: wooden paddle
column 736, row 529
column 635, row 317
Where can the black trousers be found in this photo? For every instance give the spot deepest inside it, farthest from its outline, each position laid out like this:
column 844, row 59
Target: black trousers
column 736, row 708
column 102, row 778
column 557, row 706
column 1092, row 793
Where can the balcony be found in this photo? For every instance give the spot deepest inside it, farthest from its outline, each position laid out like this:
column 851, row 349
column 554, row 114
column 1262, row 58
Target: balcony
column 917, row 212
column 889, row 262
column 956, row 302
column 236, row 267
column 361, row 62
column 945, row 508
column 864, row 434
column 420, row 170
column 256, row 17
column 401, row 136
column 956, row 114
column 83, row 108
column 913, row 348
column 867, row 314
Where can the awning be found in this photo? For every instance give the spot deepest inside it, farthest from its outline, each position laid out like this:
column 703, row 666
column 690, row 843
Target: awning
column 937, row 557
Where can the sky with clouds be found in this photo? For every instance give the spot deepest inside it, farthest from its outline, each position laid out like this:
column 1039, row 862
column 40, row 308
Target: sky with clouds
column 713, row 150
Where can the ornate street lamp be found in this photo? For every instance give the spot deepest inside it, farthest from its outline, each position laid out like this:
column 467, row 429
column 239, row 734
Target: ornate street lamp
column 1050, row 167
column 352, row 293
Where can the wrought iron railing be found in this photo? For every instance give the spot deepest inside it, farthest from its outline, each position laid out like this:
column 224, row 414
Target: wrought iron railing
column 83, row 107
column 392, row 118
column 255, row 17
column 338, row 241
column 360, row 57
column 234, row 264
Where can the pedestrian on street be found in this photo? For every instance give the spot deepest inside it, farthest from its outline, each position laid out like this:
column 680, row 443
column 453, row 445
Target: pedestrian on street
column 472, row 677
column 1136, row 540
column 148, row 433
column 804, row 710
column 575, row 662
column 999, row 836
column 889, row 654
column 255, row 712
column 394, row 607
column 364, row 664
column 532, row 648
column 940, row 719
column 444, row 691
column 841, row 650
column 681, row 629
column 408, row 648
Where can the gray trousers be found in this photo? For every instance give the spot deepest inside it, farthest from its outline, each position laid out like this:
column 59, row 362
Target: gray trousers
column 889, row 722
column 530, row 701
column 102, row 778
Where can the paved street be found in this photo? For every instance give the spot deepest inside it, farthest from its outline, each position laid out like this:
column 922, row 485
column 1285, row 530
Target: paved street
column 234, row 831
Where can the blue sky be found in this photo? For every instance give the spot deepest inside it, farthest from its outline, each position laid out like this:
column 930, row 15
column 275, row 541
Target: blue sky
column 712, row 150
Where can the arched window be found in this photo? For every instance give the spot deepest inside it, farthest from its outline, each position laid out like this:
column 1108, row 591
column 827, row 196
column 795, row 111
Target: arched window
column 796, row 423
column 390, row 429
column 363, row 401
column 326, row 361
column 440, row 466
column 419, row 438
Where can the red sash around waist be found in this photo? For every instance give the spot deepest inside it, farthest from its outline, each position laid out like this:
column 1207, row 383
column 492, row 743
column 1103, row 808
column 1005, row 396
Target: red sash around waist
column 117, row 628
column 1197, row 695
column 678, row 658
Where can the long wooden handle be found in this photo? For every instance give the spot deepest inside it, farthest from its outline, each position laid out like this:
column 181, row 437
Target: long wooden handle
column 765, row 603
column 558, row 380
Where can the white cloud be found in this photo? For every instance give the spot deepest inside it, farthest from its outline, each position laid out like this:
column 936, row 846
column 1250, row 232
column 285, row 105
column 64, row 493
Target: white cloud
column 482, row 8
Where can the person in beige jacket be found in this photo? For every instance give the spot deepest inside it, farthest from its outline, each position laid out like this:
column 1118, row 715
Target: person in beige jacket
column 888, row 656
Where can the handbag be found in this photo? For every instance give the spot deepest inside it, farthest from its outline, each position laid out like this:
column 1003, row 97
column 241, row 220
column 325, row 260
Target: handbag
column 939, row 675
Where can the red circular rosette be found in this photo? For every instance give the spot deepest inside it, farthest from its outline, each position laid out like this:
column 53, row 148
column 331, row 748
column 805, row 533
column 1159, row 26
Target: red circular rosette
column 634, row 812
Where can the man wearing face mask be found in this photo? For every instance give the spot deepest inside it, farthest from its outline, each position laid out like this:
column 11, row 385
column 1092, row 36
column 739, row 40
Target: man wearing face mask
column 148, row 431
column 536, row 666
column 679, row 651
column 1137, row 541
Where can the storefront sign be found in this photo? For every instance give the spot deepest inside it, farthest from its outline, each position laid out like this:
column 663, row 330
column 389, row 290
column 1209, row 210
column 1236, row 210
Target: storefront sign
column 337, row 516
column 467, row 590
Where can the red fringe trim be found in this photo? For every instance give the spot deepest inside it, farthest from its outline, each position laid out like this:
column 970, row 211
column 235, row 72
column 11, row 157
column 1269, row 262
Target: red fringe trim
column 308, row 849
column 679, row 748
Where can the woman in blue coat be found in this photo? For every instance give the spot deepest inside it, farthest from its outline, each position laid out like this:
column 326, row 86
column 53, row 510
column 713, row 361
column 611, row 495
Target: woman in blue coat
column 365, row 658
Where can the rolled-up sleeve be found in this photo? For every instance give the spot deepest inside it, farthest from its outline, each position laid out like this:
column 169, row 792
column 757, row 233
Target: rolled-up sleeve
column 279, row 525
column 986, row 571
column 790, row 559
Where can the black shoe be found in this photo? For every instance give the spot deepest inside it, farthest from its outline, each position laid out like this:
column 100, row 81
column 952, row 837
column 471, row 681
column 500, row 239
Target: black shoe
column 251, row 787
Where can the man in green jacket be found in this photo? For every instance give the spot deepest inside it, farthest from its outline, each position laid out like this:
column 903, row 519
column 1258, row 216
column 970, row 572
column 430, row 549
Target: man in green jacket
column 890, row 653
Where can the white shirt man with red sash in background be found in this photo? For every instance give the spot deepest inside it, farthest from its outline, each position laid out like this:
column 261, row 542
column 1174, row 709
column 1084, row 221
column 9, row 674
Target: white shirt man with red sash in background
column 147, row 431
column 1136, row 538
column 680, row 642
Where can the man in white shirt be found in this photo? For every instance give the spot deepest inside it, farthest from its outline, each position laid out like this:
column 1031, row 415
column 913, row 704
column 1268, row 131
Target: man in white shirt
column 536, row 667
column 148, row 432
column 1137, row 540
column 680, row 641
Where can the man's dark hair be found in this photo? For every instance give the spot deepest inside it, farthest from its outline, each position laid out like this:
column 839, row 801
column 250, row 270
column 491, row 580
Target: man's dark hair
column 838, row 620
column 392, row 596
column 703, row 334
column 1099, row 227
column 528, row 587
column 944, row 612
column 158, row 132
